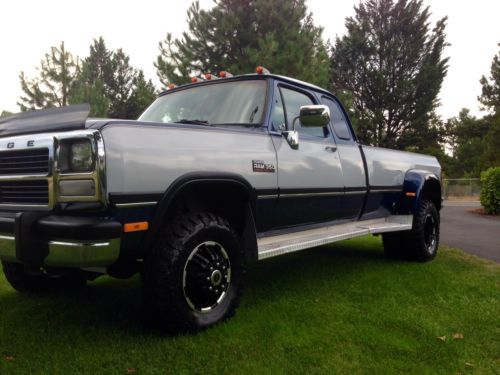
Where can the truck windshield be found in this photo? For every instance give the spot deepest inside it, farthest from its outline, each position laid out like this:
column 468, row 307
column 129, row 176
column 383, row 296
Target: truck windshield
column 229, row 103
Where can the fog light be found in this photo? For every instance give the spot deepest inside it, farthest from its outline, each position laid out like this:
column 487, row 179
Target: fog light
column 80, row 188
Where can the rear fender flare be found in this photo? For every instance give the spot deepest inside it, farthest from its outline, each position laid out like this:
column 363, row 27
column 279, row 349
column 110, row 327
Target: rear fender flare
column 416, row 184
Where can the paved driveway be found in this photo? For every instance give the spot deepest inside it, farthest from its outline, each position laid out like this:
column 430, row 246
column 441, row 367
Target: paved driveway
column 476, row 234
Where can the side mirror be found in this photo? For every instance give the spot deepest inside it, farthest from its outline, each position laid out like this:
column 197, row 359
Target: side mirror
column 292, row 137
column 314, row 116
column 310, row 116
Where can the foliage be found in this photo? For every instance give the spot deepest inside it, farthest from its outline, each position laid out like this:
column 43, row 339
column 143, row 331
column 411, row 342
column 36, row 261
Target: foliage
column 465, row 137
column 57, row 75
column 238, row 35
column 490, row 97
column 490, row 190
column 336, row 309
column 392, row 63
column 5, row 114
column 491, row 152
column 111, row 85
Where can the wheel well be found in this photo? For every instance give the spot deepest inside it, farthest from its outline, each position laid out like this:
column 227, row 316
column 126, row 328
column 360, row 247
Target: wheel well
column 432, row 191
column 223, row 199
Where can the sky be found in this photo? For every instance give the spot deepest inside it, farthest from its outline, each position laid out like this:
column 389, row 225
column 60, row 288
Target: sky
column 28, row 28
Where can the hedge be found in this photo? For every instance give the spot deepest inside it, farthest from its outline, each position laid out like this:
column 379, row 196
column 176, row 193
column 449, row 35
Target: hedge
column 490, row 190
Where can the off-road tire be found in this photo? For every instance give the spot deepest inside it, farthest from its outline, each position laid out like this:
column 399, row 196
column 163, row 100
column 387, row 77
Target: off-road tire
column 421, row 242
column 24, row 281
column 417, row 242
column 164, row 273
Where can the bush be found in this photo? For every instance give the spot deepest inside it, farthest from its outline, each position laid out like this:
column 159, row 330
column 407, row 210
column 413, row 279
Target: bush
column 490, row 190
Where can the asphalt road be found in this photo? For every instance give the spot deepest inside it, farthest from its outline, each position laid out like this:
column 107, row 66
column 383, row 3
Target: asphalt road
column 474, row 233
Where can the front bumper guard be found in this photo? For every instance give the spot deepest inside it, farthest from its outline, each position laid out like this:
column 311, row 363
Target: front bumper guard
column 66, row 245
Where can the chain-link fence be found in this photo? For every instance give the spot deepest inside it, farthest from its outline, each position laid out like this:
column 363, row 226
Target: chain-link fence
column 462, row 188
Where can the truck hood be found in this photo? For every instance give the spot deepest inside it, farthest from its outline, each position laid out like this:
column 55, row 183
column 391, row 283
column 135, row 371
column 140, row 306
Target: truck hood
column 72, row 117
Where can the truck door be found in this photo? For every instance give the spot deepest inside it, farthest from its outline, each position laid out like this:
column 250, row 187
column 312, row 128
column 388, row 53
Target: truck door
column 351, row 159
column 310, row 179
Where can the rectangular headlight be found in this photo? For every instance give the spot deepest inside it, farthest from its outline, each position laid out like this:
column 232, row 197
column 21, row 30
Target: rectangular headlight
column 80, row 156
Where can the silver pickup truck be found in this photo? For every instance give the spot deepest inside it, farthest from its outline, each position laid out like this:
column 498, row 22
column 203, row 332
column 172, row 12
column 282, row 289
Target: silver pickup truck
column 214, row 174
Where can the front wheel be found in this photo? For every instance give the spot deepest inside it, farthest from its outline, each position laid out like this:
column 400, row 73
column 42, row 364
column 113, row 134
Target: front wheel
column 192, row 278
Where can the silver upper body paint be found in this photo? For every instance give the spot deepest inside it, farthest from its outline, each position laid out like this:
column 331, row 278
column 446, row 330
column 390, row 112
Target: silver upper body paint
column 148, row 158
column 142, row 158
column 388, row 167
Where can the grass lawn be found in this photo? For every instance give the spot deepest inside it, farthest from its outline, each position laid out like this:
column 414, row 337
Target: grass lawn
column 336, row 309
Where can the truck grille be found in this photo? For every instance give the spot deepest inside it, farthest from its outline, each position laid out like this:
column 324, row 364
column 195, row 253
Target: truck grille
column 24, row 162
column 24, row 192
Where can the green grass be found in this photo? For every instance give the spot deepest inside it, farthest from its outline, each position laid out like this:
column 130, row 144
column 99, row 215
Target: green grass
column 338, row 309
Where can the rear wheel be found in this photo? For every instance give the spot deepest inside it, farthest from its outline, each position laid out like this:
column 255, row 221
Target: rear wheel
column 24, row 279
column 192, row 278
column 421, row 242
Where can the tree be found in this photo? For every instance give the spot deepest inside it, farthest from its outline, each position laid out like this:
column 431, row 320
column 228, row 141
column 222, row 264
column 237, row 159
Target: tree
column 4, row 114
column 238, row 35
column 490, row 97
column 465, row 137
column 142, row 95
column 392, row 64
column 52, row 88
column 111, row 85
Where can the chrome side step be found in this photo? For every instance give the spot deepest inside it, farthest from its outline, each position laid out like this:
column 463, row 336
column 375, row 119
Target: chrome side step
column 287, row 243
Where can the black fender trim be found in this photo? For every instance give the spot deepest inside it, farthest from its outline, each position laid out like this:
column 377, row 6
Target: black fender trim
column 249, row 240
column 414, row 183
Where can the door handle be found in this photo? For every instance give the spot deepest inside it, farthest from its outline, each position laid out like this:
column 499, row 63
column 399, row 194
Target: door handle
column 331, row 148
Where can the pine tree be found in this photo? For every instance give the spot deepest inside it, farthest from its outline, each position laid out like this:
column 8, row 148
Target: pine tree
column 111, row 85
column 238, row 35
column 391, row 62
column 120, row 87
column 143, row 94
column 490, row 97
column 52, row 88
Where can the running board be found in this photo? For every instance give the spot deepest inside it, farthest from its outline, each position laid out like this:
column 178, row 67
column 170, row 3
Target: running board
column 288, row 243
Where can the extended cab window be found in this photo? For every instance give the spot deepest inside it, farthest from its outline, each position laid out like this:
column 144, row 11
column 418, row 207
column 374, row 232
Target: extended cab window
column 293, row 101
column 338, row 121
column 239, row 102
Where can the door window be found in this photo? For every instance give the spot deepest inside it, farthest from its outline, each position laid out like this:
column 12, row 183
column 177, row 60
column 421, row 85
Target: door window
column 337, row 119
column 293, row 101
column 278, row 119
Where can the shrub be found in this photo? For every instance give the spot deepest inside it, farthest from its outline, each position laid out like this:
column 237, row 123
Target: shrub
column 490, row 190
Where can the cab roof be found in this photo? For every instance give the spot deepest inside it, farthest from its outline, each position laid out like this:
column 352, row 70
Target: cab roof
column 244, row 77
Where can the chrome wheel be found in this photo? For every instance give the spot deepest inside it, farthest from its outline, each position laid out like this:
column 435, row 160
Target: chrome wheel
column 206, row 277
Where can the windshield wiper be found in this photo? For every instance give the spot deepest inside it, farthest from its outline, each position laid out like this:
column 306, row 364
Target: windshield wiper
column 196, row 122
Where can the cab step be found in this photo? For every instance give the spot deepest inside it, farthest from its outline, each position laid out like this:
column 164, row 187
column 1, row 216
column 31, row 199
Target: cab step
column 272, row 246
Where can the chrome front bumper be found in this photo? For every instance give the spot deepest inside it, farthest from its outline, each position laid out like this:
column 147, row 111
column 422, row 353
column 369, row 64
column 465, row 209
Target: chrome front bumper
column 68, row 254
column 55, row 239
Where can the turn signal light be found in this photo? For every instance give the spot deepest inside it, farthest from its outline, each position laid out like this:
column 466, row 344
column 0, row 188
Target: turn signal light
column 209, row 76
column 135, row 227
column 224, row 74
column 196, row 79
column 261, row 70
column 171, row 86
column 411, row 194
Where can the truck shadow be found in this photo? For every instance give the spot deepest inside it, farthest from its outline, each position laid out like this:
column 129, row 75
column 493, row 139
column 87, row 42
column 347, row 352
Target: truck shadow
column 108, row 306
